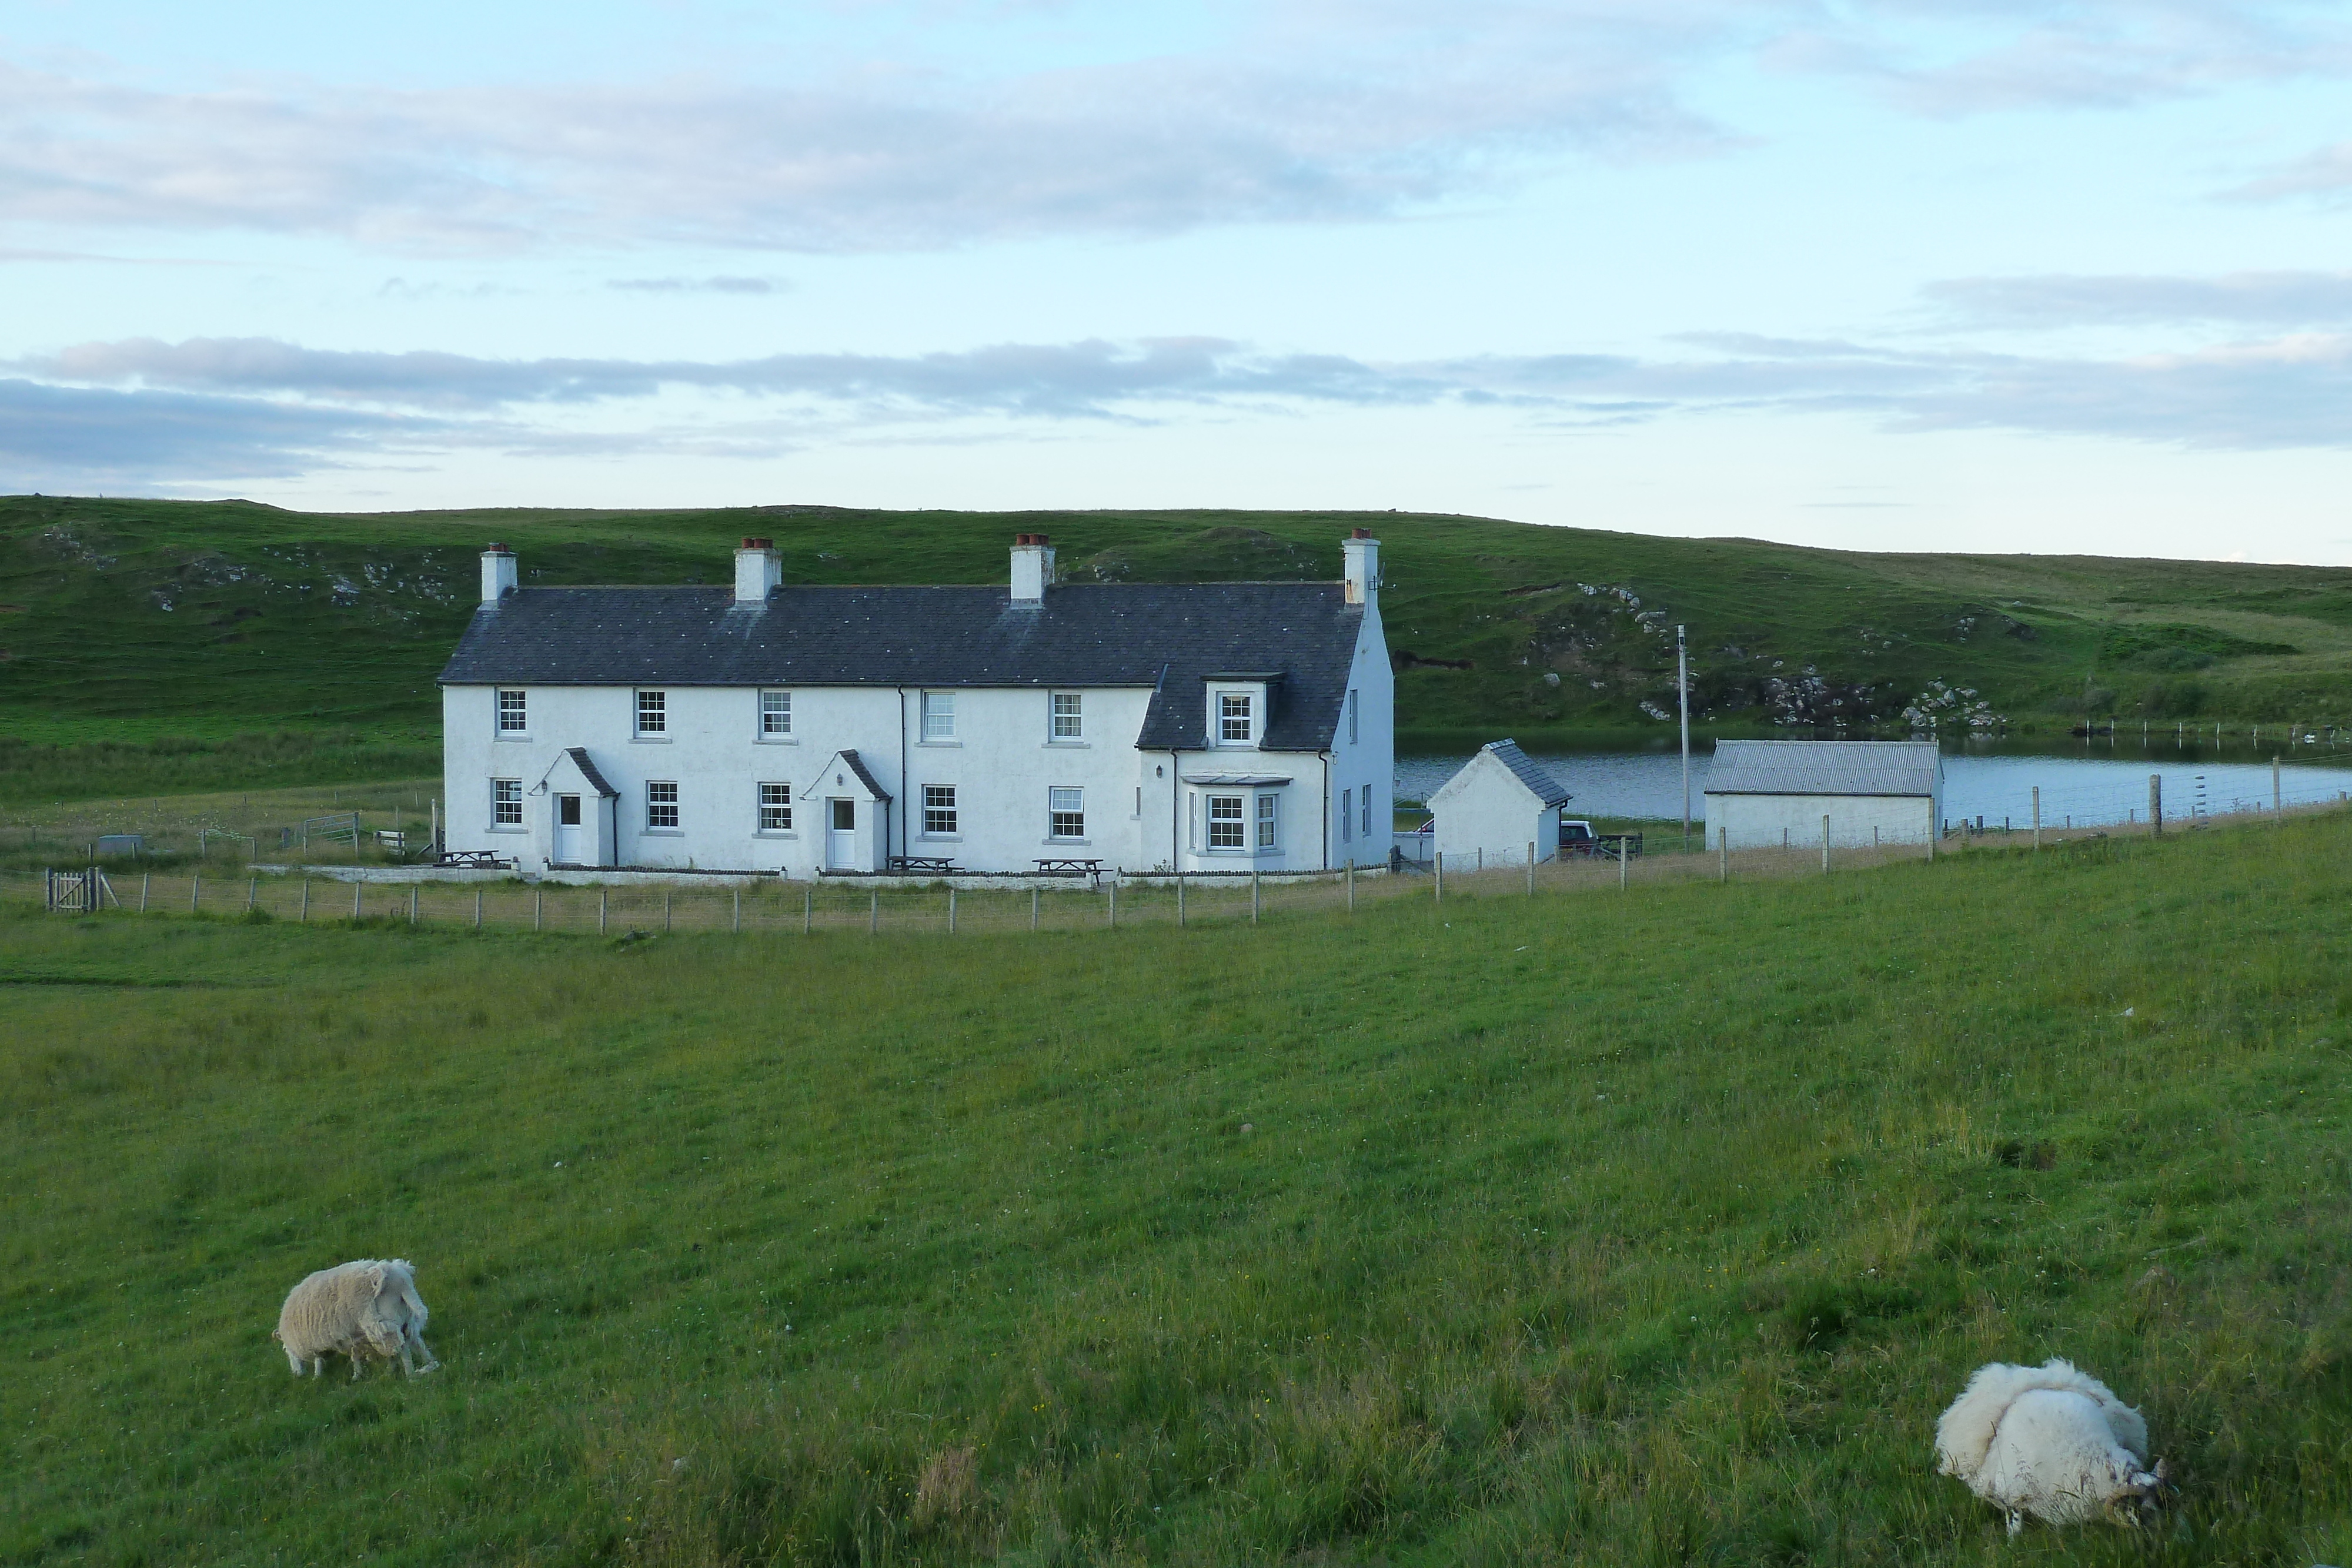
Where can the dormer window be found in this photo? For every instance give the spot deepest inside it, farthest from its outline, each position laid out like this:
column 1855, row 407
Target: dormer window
column 1233, row 718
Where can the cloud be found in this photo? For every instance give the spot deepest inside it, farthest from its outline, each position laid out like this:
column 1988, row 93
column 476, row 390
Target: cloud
column 53, row 435
column 699, row 285
column 2053, row 300
column 2284, row 392
column 2327, row 174
column 1957, row 59
column 1300, row 111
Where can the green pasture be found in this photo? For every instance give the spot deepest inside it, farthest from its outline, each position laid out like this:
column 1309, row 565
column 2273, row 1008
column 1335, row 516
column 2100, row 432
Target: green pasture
column 168, row 646
column 1627, row 1228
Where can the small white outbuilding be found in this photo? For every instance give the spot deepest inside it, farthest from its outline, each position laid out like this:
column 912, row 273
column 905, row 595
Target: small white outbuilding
column 1499, row 803
column 1763, row 794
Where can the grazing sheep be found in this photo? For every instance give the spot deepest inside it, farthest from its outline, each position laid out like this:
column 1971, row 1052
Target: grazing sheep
column 365, row 1309
column 2050, row 1441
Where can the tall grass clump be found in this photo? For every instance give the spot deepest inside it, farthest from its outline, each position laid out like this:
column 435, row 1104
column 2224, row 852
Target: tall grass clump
column 1626, row 1228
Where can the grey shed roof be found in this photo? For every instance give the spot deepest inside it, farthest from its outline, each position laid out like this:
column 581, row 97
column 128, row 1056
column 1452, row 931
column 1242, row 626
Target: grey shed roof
column 1168, row 637
column 1824, row 767
column 1546, row 788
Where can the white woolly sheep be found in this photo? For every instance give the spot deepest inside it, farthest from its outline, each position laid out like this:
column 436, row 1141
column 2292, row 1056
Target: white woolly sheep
column 367, row 1309
column 2050, row 1441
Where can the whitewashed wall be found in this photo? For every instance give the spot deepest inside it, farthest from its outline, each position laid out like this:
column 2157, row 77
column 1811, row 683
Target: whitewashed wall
column 1757, row 821
column 1487, row 816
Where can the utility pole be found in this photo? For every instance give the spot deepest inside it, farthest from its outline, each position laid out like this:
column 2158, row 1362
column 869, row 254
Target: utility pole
column 1682, row 692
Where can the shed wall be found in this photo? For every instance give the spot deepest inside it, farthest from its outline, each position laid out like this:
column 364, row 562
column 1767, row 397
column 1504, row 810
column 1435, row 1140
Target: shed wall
column 1758, row 822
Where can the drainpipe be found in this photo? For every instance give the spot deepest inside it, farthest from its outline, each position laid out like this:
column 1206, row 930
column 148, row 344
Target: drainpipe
column 1325, row 756
column 1175, row 814
column 902, row 782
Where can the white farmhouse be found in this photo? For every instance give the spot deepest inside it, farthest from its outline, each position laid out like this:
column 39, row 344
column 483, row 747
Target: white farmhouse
column 1148, row 727
column 1767, row 793
column 1488, row 813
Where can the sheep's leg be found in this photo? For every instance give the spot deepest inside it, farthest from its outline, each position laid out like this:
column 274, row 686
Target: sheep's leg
column 296, row 1363
column 318, row 1366
column 2016, row 1521
column 432, row 1362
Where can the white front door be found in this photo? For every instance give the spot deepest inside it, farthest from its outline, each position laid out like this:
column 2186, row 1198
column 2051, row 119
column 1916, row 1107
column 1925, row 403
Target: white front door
column 567, row 829
column 841, row 836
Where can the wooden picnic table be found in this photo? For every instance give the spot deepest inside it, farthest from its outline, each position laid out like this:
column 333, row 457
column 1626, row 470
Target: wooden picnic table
column 482, row 859
column 936, row 864
column 1068, row 865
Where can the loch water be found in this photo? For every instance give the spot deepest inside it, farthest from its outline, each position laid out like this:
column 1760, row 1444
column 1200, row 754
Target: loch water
column 2083, row 780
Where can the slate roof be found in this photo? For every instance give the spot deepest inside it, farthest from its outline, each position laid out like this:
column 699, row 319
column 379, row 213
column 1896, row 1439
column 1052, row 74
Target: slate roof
column 1824, row 767
column 1546, row 788
column 579, row 755
column 858, row 766
column 1170, row 637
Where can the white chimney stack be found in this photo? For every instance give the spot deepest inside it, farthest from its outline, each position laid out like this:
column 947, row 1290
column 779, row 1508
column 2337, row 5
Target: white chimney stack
column 1032, row 567
column 1363, row 556
column 498, row 573
column 757, row 571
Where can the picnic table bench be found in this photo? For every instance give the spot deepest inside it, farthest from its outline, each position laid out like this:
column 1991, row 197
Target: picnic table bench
column 479, row 860
column 938, row 864
column 1069, row 865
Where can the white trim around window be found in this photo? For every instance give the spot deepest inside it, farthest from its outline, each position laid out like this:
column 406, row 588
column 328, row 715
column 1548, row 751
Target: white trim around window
column 776, row 717
column 513, row 706
column 939, row 719
column 1065, row 722
column 652, row 716
column 940, row 818
column 1066, row 814
column 775, row 817
column 506, row 806
column 661, row 806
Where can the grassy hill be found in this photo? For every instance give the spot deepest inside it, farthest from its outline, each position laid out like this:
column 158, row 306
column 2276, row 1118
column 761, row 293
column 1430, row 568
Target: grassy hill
column 1627, row 1228
column 133, row 621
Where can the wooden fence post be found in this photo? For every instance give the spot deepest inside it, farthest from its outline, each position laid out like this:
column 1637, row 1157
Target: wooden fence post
column 252, row 892
column 478, row 908
column 665, row 908
column 1033, row 900
column 1437, row 889
column 1723, row 854
column 603, row 902
column 2277, row 808
column 739, row 912
column 2037, row 816
column 1114, row 902
column 144, row 878
column 1253, row 896
column 306, row 901
column 2156, row 804
column 356, row 886
column 412, row 904
column 1179, row 895
column 873, row 911
column 1351, row 887
column 808, row 909
column 1623, row 860
column 1532, row 868
column 539, row 909
column 196, row 886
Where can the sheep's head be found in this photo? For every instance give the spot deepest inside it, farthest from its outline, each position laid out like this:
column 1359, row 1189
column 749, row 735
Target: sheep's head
column 2142, row 1496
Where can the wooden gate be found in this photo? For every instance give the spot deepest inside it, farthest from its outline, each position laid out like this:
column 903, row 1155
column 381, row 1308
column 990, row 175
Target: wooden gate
column 82, row 891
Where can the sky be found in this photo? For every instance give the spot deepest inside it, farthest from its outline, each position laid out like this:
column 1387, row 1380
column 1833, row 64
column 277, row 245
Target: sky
column 1907, row 275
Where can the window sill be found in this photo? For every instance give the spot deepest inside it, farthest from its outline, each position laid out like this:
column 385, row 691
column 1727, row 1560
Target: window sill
column 661, row 832
column 649, row 739
column 509, row 829
column 512, row 735
column 1072, row 843
column 945, row 744
column 1068, row 744
column 775, row 741
column 939, row 838
column 774, row 833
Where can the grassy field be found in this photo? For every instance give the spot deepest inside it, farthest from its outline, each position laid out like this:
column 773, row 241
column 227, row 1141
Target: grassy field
column 194, row 637
column 1650, row 1228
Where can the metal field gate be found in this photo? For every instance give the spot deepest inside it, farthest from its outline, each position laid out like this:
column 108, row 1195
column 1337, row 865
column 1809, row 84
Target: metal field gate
column 82, row 891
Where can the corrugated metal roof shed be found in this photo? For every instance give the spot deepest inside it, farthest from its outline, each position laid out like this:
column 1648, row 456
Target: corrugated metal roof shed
column 1546, row 788
column 1825, row 767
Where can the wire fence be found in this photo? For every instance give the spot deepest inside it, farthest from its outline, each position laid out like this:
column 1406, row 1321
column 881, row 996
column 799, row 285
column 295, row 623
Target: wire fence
column 775, row 907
